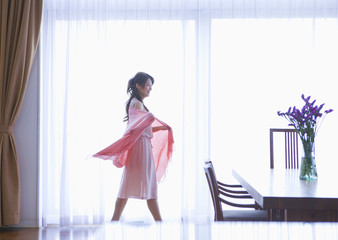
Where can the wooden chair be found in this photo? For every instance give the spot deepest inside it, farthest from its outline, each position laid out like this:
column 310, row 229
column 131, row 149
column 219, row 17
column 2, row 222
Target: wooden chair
column 239, row 188
column 220, row 192
column 291, row 147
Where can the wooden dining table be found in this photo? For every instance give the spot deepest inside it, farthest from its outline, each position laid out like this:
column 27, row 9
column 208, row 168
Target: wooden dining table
column 287, row 198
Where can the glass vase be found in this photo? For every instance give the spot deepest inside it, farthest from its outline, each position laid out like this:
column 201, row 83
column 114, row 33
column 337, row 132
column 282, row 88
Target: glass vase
column 308, row 169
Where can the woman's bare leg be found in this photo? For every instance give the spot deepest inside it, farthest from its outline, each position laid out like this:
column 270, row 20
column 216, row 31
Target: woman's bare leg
column 119, row 206
column 154, row 209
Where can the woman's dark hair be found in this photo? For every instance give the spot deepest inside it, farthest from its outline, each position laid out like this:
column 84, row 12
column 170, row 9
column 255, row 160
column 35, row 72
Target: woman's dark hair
column 141, row 79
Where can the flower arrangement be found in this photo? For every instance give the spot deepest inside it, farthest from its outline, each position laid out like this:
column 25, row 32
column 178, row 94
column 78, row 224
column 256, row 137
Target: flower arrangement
column 307, row 122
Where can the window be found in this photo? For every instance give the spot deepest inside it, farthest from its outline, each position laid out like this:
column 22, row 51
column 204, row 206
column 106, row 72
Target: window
column 220, row 78
column 261, row 66
column 85, row 106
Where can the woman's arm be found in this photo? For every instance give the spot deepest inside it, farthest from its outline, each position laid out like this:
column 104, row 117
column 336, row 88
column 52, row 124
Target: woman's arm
column 159, row 128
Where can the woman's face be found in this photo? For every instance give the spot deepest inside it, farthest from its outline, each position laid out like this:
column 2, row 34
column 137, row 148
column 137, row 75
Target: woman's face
column 145, row 90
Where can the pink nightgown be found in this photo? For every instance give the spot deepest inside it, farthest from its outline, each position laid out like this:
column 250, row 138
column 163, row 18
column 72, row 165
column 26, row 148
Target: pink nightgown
column 139, row 176
column 144, row 154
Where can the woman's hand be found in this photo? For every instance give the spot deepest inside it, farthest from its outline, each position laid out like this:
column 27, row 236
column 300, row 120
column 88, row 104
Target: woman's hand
column 159, row 128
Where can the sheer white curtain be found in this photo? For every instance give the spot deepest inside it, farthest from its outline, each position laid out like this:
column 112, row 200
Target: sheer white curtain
column 263, row 66
column 90, row 49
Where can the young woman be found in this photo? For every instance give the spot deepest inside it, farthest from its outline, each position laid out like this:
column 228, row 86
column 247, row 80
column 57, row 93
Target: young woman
column 144, row 150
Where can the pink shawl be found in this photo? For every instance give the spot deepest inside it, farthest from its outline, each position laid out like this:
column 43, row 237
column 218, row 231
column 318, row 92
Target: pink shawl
column 162, row 142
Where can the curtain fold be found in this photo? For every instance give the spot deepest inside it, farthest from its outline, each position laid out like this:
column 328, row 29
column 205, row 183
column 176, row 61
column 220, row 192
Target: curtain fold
column 19, row 34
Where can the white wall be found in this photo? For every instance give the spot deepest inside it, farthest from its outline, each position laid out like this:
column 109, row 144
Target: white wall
column 26, row 132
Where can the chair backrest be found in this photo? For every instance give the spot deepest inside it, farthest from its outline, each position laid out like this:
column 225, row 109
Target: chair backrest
column 291, row 147
column 212, row 182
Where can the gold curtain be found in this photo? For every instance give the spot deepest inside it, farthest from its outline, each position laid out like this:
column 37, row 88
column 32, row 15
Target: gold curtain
column 20, row 22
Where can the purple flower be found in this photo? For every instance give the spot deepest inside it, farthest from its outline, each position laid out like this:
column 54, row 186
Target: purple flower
column 289, row 110
column 313, row 111
column 306, row 120
column 294, row 109
column 306, row 99
column 321, row 106
column 304, row 109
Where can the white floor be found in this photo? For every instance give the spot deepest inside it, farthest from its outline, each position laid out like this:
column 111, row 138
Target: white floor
column 170, row 231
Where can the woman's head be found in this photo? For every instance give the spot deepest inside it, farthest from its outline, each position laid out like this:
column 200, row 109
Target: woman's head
column 139, row 87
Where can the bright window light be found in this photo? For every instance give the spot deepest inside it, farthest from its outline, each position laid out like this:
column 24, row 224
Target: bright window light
column 260, row 66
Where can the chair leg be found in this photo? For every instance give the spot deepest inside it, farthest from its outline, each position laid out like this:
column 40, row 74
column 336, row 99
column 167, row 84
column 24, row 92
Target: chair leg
column 270, row 215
